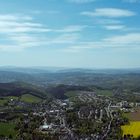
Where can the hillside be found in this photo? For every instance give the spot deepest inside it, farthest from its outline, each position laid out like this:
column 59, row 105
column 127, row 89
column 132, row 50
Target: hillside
column 20, row 88
column 45, row 78
column 60, row 90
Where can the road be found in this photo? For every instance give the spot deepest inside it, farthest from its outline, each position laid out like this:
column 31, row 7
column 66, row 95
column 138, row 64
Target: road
column 109, row 125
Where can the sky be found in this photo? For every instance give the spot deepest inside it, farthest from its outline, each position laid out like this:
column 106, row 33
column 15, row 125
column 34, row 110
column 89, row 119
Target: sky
column 70, row 33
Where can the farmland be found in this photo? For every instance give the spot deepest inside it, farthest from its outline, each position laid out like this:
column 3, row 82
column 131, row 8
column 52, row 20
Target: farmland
column 134, row 126
column 30, row 98
column 2, row 101
column 132, row 129
column 71, row 93
column 7, row 129
column 134, row 116
column 104, row 92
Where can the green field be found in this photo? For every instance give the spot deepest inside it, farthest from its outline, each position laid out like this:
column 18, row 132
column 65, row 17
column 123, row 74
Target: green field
column 71, row 93
column 26, row 98
column 30, row 98
column 7, row 129
column 104, row 92
column 133, row 116
column 12, row 97
column 3, row 101
column 133, row 129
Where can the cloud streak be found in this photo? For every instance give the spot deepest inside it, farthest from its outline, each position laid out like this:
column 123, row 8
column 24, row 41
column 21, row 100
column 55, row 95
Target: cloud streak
column 109, row 13
column 20, row 33
column 129, row 41
column 114, row 27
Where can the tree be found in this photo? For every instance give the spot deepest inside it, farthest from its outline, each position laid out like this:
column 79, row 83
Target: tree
column 10, row 136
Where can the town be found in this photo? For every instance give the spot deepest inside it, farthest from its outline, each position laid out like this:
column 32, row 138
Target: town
column 86, row 116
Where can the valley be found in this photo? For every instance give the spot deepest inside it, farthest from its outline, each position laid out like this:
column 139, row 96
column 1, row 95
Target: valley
column 70, row 111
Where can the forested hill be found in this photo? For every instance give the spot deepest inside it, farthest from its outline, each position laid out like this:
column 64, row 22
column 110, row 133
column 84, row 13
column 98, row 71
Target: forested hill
column 60, row 90
column 19, row 88
column 109, row 79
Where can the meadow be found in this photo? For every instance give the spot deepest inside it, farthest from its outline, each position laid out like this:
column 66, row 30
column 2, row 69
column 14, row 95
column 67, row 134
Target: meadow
column 7, row 129
column 104, row 92
column 134, row 116
column 30, row 98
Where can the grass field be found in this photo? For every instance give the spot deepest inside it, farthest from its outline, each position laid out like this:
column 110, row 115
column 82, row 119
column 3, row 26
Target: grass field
column 26, row 98
column 7, row 129
column 71, row 93
column 104, row 92
column 12, row 97
column 30, row 98
column 6, row 99
column 3, row 101
column 132, row 129
column 133, row 116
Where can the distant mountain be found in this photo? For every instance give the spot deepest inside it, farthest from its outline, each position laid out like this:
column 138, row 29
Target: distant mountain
column 11, row 76
column 34, row 70
column 45, row 77
column 24, row 70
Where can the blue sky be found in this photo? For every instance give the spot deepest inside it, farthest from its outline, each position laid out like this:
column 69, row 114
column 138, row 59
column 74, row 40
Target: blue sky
column 70, row 33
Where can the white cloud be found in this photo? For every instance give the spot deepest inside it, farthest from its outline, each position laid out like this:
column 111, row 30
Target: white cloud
column 65, row 38
column 18, row 27
column 114, row 27
column 71, row 28
column 8, row 17
column 111, row 24
column 19, row 33
column 109, row 13
column 13, row 24
column 108, row 21
column 128, row 41
column 22, row 41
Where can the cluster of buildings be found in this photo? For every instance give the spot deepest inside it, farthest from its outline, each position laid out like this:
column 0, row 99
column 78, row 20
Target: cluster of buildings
column 96, row 108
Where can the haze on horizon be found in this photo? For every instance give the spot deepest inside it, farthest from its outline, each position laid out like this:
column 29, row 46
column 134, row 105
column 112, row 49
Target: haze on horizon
column 70, row 33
